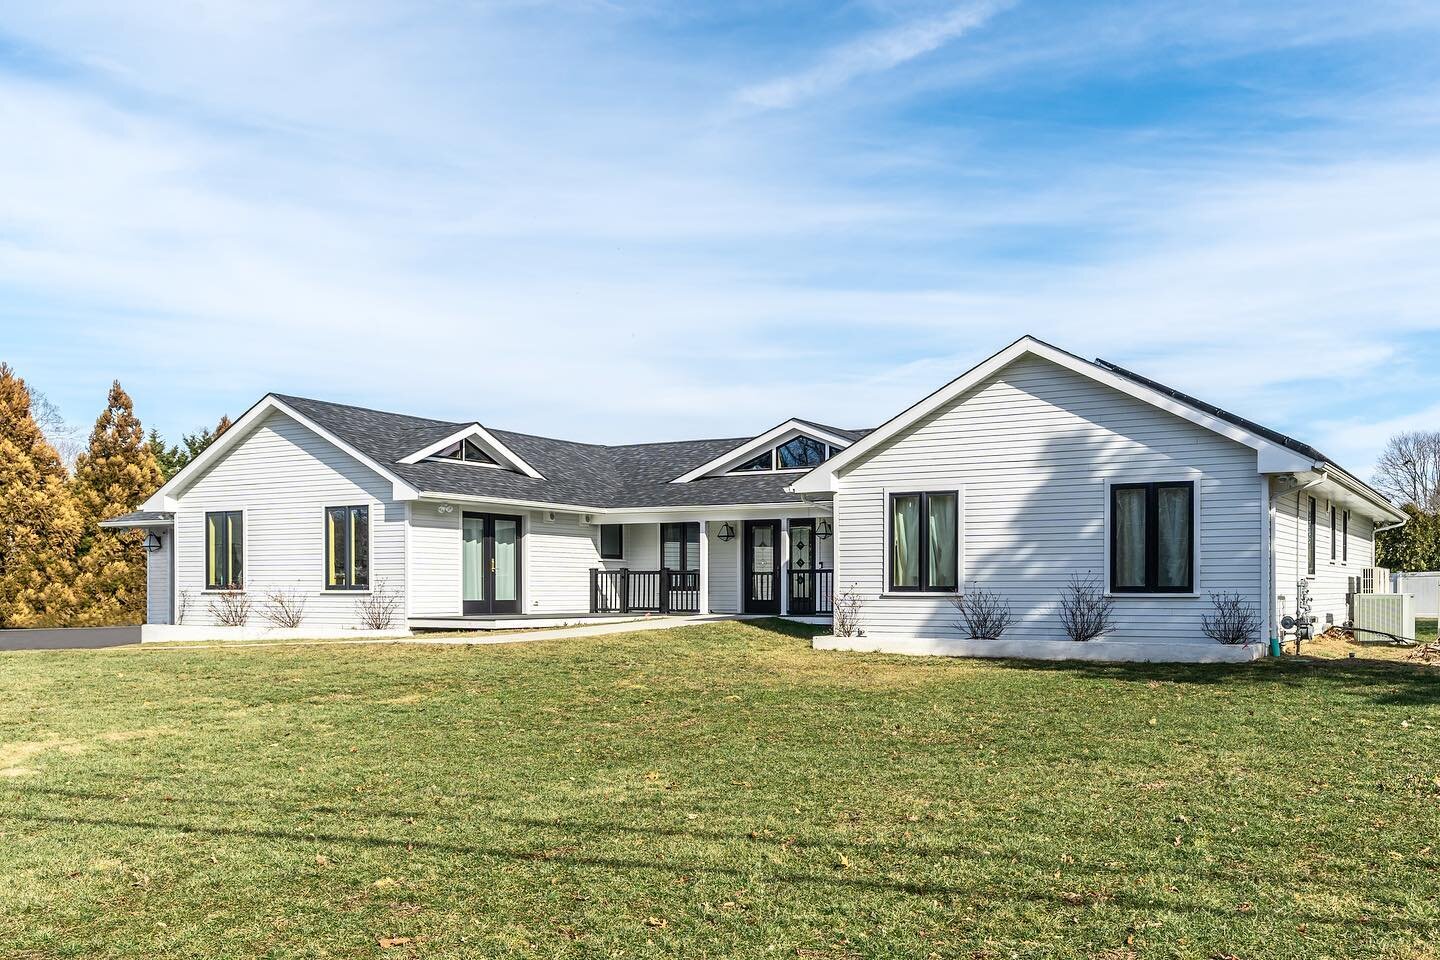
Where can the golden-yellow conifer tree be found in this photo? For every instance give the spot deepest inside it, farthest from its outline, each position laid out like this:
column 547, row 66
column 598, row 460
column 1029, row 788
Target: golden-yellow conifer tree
column 115, row 475
column 40, row 524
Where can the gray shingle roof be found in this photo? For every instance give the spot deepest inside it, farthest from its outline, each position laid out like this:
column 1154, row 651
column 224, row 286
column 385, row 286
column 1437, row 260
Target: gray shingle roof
column 1274, row 436
column 578, row 474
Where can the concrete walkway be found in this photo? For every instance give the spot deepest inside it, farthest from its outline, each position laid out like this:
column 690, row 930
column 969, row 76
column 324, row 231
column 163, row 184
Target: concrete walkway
column 98, row 637
column 474, row 637
column 583, row 630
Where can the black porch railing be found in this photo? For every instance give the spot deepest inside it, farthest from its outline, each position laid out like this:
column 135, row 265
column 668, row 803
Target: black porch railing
column 812, row 593
column 644, row 591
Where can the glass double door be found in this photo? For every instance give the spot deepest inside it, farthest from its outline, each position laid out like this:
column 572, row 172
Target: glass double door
column 489, row 564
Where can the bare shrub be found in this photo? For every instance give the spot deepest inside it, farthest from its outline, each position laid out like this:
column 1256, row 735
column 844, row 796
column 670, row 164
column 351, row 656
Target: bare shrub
column 182, row 606
column 1085, row 611
column 284, row 608
column 1234, row 620
column 231, row 608
column 984, row 615
column 379, row 609
column 847, row 614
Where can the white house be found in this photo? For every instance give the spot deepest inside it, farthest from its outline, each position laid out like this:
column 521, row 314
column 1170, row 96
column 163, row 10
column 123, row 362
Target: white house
column 1032, row 467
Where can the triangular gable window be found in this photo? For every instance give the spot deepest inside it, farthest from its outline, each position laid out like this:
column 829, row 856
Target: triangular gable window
column 464, row 451
column 797, row 453
column 800, row 453
column 766, row 461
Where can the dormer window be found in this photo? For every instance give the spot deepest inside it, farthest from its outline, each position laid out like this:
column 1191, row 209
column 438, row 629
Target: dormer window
column 797, row 453
column 464, row 451
column 766, row 461
column 801, row 453
column 794, row 446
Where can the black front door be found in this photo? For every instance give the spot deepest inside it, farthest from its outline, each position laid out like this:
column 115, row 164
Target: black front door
column 489, row 564
column 762, row 566
column 802, row 567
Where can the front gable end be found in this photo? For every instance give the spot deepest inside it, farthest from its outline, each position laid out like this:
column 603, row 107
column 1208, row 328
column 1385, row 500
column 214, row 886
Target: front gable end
column 794, row 446
column 1090, row 384
column 319, row 444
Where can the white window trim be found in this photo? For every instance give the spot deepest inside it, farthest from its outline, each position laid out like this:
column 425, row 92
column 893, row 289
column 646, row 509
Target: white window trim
column 1174, row 475
column 930, row 485
column 370, row 506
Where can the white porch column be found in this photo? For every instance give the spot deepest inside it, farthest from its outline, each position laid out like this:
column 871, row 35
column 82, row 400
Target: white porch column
column 704, row 603
column 784, row 566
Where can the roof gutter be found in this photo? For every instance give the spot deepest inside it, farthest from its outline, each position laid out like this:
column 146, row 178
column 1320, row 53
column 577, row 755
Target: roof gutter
column 1364, row 490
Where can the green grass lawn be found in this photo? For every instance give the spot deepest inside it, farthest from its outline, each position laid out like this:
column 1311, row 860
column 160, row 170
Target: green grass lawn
column 714, row 791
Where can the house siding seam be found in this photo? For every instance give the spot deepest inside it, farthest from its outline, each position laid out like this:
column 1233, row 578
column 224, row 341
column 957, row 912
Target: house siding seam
column 284, row 522
column 1033, row 446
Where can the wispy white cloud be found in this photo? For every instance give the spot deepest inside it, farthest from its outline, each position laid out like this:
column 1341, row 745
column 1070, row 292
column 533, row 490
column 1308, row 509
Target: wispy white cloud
column 875, row 53
column 316, row 202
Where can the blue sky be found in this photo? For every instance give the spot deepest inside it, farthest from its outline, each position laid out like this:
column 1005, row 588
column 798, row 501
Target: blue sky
column 622, row 221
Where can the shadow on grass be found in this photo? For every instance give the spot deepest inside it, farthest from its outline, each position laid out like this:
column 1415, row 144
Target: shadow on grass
column 789, row 628
column 1384, row 683
column 569, row 856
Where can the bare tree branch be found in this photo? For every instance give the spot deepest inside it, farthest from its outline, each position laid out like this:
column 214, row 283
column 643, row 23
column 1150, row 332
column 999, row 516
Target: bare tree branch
column 1408, row 470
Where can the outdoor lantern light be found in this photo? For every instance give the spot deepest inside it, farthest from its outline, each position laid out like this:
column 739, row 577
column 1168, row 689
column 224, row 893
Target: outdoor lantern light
column 823, row 530
column 727, row 532
column 152, row 542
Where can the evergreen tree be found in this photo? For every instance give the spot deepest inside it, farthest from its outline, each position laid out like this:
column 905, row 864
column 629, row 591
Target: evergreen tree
column 115, row 474
column 167, row 458
column 174, row 458
column 1415, row 546
column 40, row 524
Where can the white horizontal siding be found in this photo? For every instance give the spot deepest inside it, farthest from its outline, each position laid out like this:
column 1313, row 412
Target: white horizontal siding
column 1330, row 583
column 558, row 558
column 724, row 569
column 435, row 560
column 158, row 580
column 1032, row 447
column 283, row 477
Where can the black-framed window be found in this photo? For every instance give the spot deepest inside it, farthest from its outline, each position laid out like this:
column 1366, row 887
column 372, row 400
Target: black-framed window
column 1345, row 537
column 925, row 541
column 1310, row 542
column 347, row 548
column 764, row 461
column 612, row 541
column 1334, row 547
column 225, row 550
column 680, row 546
column 800, row 453
column 1152, row 537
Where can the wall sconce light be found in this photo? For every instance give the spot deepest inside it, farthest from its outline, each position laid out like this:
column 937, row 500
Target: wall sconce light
column 727, row 532
column 152, row 542
column 823, row 530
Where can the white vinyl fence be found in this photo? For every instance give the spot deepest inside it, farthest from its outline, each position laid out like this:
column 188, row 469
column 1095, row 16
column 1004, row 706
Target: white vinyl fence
column 1426, row 589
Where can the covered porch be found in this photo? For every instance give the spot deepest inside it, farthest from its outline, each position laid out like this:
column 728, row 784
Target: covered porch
column 749, row 565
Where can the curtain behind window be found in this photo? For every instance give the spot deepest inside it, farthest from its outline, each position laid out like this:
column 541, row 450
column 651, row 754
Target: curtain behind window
column 472, row 564
column 943, row 566
column 1129, row 545
column 1173, row 528
column 905, row 535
